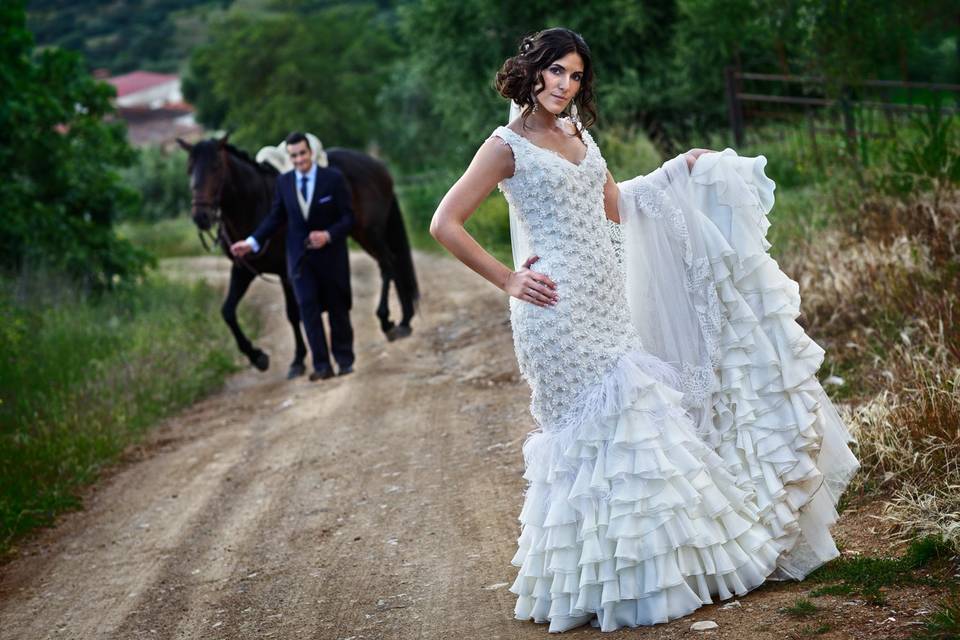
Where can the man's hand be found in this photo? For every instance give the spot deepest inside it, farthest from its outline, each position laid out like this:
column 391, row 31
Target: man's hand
column 240, row 248
column 318, row 239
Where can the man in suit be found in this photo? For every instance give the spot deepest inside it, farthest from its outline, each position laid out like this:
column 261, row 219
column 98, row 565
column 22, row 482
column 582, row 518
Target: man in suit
column 315, row 202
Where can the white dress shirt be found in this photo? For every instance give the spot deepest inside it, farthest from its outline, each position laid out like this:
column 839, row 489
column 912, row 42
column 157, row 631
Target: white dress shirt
column 311, row 177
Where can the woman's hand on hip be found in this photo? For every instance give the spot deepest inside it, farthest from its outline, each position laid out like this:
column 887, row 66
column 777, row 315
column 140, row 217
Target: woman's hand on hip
column 531, row 286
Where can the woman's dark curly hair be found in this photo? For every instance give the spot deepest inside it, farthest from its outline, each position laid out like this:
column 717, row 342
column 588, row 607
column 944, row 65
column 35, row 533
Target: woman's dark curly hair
column 520, row 76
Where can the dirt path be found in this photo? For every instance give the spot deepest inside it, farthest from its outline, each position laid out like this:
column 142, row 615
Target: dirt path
column 379, row 505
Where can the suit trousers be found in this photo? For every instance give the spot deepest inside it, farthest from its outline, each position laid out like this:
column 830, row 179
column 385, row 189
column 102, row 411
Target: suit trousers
column 314, row 292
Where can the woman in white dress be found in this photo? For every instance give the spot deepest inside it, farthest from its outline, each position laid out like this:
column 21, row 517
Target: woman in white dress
column 658, row 479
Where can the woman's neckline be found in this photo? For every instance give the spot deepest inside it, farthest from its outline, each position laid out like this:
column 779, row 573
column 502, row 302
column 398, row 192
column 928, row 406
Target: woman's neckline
column 585, row 142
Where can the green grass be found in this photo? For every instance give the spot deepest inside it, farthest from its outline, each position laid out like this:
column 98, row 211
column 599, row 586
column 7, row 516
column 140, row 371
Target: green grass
column 82, row 377
column 944, row 624
column 802, row 608
column 170, row 238
column 867, row 576
column 840, row 589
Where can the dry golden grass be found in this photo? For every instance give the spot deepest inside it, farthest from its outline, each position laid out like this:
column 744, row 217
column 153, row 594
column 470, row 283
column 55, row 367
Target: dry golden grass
column 883, row 296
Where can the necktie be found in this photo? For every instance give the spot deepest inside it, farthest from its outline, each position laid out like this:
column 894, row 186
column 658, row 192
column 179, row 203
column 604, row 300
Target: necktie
column 303, row 187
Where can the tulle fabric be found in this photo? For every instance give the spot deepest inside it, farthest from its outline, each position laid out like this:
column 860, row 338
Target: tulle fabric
column 706, row 462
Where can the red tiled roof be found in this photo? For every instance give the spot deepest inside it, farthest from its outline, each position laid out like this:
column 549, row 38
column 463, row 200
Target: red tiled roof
column 170, row 107
column 138, row 81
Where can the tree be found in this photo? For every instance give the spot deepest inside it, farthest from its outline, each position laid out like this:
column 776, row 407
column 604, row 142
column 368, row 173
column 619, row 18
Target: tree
column 457, row 46
column 60, row 190
column 263, row 75
column 122, row 36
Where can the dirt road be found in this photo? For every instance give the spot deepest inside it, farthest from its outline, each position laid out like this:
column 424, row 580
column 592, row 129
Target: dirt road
column 380, row 505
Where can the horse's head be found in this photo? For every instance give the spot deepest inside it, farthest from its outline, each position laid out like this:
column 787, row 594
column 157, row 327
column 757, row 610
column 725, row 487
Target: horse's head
column 207, row 169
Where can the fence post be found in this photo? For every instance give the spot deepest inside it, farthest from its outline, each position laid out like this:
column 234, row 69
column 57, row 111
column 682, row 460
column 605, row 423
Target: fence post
column 850, row 129
column 733, row 105
column 849, row 123
column 812, row 129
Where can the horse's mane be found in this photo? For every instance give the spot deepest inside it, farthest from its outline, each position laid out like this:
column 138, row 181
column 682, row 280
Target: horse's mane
column 240, row 154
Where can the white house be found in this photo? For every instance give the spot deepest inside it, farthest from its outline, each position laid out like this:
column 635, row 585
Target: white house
column 153, row 106
column 147, row 89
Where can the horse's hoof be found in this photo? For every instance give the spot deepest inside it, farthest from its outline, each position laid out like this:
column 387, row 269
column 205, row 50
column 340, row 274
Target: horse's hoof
column 399, row 331
column 260, row 360
column 296, row 370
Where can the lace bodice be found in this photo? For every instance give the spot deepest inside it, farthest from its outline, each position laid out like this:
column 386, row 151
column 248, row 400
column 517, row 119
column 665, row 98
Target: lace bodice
column 564, row 350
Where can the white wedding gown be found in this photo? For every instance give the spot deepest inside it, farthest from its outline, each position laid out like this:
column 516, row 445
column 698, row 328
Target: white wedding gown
column 662, row 478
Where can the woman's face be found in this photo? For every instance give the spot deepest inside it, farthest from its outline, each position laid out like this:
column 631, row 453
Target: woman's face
column 561, row 82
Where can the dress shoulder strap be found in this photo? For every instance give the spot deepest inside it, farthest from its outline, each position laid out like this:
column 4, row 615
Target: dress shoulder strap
column 516, row 143
column 506, row 134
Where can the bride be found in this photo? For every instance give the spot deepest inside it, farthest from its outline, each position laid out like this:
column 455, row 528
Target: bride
column 684, row 449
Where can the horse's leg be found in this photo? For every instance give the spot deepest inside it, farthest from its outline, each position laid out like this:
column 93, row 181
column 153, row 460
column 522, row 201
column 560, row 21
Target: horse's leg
column 383, row 309
column 404, row 275
column 407, row 310
column 240, row 279
column 375, row 246
column 388, row 273
column 297, row 367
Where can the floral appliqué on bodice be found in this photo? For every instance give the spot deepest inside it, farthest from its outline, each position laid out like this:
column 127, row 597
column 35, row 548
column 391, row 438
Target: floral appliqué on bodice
column 566, row 349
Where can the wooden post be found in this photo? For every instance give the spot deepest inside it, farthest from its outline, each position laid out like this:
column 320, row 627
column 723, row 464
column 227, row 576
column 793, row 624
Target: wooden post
column 812, row 128
column 734, row 108
column 850, row 130
column 849, row 124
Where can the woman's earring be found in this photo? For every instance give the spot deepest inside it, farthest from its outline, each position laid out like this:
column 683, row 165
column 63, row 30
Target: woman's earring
column 536, row 103
column 574, row 114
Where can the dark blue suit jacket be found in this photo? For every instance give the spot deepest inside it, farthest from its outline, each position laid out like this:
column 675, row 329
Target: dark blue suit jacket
column 331, row 210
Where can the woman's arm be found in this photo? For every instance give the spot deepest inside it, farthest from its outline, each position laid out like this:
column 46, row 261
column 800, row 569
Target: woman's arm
column 492, row 163
column 611, row 198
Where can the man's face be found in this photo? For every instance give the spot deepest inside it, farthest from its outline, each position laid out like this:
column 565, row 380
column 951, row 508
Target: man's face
column 301, row 155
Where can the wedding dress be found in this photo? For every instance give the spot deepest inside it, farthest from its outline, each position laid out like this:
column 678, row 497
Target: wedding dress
column 662, row 477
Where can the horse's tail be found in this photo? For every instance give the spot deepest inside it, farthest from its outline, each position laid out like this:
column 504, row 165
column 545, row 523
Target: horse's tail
column 406, row 278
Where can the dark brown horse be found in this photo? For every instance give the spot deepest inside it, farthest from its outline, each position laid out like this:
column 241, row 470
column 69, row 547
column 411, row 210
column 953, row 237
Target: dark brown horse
column 232, row 194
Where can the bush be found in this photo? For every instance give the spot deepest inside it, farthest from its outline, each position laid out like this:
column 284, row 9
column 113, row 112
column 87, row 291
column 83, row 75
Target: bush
column 419, row 197
column 160, row 177
column 628, row 152
column 61, row 190
column 489, row 224
column 928, row 160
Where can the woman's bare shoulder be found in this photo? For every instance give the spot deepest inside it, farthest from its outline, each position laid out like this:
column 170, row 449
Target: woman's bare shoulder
column 495, row 155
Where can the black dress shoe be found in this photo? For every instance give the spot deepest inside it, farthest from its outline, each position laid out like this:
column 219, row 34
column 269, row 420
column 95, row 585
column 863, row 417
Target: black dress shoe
column 321, row 375
column 345, row 370
column 296, row 370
